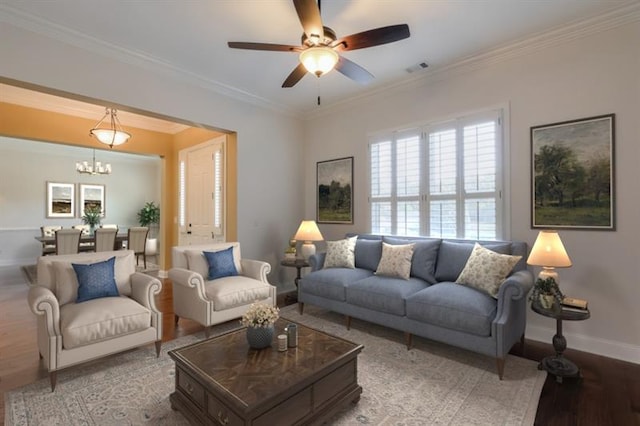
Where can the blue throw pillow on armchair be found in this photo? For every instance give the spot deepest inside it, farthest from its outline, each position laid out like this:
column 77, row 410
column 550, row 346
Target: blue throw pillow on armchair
column 96, row 280
column 221, row 263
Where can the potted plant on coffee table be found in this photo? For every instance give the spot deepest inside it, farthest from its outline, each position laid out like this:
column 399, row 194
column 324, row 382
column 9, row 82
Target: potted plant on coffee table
column 259, row 320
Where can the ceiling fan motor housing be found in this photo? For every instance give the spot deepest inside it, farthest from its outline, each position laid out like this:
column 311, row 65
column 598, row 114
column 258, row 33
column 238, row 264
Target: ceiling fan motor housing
column 314, row 40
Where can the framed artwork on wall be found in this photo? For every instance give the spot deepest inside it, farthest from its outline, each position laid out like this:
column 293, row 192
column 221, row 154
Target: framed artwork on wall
column 92, row 196
column 334, row 200
column 60, row 200
column 572, row 174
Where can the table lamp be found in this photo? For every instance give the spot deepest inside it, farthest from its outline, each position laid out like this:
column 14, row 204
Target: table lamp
column 549, row 253
column 307, row 233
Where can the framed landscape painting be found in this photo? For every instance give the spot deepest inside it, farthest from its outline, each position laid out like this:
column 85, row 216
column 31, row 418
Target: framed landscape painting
column 335, row 191
column 92, row 196
column 572, row 174
column 60, row 200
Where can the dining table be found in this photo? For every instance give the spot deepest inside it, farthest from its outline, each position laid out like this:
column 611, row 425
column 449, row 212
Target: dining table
column 87, row 241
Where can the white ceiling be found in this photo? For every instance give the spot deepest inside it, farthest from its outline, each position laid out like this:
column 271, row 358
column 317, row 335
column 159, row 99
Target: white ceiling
column 190, row 37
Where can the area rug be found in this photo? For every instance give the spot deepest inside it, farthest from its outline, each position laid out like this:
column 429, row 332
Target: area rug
column 31, row 271
column 432, row 384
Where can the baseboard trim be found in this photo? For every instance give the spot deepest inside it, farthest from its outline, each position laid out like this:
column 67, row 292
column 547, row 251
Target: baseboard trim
column 604, row 347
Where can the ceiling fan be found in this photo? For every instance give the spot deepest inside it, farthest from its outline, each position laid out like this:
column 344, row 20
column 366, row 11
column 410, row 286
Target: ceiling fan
column 319, row 52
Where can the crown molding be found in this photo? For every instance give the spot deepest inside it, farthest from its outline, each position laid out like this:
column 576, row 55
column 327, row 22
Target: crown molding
column 626, row 14
column 84, row 41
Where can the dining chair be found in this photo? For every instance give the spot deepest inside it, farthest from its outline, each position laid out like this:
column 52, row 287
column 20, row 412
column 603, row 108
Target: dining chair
column 67, row 241
column 86, row 230
column 105, row 239
column 109, row 225
column 137, row 241
column 48, row 231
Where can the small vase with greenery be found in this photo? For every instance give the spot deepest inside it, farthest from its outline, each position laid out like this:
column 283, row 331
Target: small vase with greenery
column 149, row 215
column 546, row 291
column 92, row 217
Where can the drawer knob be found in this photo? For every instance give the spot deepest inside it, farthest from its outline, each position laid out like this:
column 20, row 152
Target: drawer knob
column 222, row 420
column 189, row 388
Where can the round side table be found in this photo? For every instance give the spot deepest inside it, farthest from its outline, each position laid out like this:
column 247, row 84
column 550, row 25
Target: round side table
column 298, row 264
column 558, row 365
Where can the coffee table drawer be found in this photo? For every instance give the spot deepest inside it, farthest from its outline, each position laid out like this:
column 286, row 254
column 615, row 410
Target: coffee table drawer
column 191, row 388
column 221, row 414
column 336, row 381
column 287, row 412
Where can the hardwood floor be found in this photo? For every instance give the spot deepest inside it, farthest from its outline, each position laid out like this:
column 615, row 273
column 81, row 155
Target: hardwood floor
column 608, row 394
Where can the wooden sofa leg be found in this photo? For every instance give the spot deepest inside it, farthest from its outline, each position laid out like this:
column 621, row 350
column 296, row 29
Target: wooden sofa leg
column 408, row 340
column 300, row 307
column 53, row 376
column 206, row 332
column 522, row 346
column 500, row 364
column 177, row 318
column 40, row 355
column 348, row 321
column 158, row 347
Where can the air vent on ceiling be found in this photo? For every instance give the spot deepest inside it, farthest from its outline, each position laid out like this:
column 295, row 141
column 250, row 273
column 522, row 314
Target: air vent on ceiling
column 417, row 67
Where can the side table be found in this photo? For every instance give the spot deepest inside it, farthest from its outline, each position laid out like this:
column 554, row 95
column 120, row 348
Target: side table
column 558, row 365
column 297, row 263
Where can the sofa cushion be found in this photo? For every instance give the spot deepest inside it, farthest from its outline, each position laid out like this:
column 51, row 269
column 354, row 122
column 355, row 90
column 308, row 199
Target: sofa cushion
column 101, row 319
column 233, row 291
column 395, row 261
column 425, row 256
column 340, row 254
column 66, row 281
column 368, row 253
column 486, row 270
column 197, row 262
column 331, row 283
column 452, row 257
column 383, row 294
column 220, row 264
column 453, row 306
column 96, row 280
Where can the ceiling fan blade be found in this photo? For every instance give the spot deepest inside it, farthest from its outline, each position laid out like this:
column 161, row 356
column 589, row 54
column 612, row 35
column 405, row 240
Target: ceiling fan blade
column 295, row 76
column 375, row 37
column 309, row 15
column 354, row 71
column 264, row 46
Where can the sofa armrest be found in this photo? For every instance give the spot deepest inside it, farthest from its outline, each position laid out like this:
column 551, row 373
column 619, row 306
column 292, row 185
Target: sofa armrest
column 511, row 315
column 317, row 261
column 42, row 301
column 144, row 288
column 515, row 288
column 256, row 269
column 189, row 280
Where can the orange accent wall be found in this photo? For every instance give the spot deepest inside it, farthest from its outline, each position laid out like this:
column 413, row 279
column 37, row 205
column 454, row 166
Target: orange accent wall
column 39, row 125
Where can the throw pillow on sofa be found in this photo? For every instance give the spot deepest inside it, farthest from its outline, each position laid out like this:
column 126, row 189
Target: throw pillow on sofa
column 220, row 263
column 96, row 280
column 341, row 254
column 486, row 270
column 396, row 260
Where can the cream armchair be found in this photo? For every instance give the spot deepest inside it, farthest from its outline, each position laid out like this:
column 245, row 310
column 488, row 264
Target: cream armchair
column 71, row 333
column 220, row 300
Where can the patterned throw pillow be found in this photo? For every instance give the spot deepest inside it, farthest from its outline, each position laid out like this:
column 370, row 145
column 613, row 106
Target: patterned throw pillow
column 486, row 270
column 221, row 264
column 96, row 280
column 341, row 254
column 396, row 260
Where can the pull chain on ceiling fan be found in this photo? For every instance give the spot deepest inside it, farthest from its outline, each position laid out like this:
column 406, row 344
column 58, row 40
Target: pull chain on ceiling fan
column 320, row 49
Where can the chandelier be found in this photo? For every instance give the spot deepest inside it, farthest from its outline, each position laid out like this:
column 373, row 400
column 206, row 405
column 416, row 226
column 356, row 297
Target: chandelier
column 95, row 168
column 112, row 135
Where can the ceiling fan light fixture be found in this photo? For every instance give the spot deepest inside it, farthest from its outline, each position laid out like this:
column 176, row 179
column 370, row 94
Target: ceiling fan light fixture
column 112, row 135
column 319, row 60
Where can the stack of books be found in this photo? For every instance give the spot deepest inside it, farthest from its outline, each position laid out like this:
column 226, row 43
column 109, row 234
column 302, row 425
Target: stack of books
column 570, row 304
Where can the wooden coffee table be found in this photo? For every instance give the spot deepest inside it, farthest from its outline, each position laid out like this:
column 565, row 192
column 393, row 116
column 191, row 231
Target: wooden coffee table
column 222, row 381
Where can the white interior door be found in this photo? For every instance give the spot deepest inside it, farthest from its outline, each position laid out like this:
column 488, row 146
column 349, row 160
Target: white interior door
column 202, row 193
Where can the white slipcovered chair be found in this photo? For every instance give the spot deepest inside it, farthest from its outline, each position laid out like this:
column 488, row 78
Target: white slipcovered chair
column 211, row 302
column 71, row 333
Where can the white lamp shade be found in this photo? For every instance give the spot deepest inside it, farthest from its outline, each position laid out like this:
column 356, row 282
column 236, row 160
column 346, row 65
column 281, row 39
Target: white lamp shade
column 110, row 137
column 548, row 251
column 308, row 231
column 319, row 60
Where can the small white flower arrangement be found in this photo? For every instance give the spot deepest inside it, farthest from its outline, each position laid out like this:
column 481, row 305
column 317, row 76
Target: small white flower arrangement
column 260, row 315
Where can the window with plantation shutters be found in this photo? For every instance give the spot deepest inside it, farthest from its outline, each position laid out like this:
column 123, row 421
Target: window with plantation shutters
column 442, row 180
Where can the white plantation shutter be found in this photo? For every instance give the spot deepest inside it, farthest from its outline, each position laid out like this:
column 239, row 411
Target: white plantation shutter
column 218, row 189
column 440, row 180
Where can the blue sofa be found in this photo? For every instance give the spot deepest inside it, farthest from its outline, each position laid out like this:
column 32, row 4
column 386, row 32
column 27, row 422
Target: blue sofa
column 430, row 304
